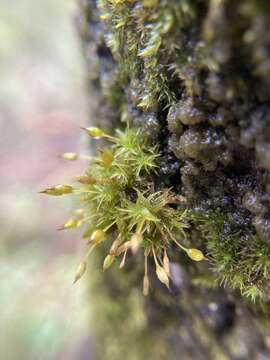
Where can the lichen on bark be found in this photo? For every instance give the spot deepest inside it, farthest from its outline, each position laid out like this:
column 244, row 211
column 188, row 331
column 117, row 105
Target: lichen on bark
column 194, row 76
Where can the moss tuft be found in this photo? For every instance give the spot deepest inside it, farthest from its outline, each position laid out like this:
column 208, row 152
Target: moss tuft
column 140, row 36
column 120, row 202
column 122, row 209
column 239, row 261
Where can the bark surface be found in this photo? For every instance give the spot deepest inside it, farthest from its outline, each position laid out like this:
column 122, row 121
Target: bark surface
column 195, row 76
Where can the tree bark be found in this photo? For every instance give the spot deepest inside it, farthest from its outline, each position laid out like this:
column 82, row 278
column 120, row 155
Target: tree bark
column 195, row 76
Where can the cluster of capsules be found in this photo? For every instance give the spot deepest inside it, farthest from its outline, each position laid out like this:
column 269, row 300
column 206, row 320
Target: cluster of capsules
column 146, row 221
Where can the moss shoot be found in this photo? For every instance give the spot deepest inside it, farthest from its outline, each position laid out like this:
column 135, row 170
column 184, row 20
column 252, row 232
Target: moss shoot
column 118, row 201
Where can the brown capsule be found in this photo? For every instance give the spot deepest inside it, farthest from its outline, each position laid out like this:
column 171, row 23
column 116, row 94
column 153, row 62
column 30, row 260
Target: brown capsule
column 123, row 248
column 115, row 245
column 58, row 190
column 87, row 180
column 80, row 271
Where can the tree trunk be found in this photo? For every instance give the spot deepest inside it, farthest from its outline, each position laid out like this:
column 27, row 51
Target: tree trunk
column 195, row 76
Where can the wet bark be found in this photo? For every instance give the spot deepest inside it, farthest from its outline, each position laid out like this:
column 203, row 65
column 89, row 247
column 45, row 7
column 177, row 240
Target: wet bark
column 207, row 106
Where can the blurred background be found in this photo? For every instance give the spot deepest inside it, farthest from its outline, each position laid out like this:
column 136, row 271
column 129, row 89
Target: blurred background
column 42, row 105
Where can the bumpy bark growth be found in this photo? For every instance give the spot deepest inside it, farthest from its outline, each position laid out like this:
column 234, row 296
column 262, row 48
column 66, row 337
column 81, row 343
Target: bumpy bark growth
column 194, row 76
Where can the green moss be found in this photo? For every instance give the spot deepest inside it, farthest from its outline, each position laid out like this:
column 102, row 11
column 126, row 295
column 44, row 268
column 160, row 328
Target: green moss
column 194, row 77
column 239, row 261
column 121, row 208
column 181, row 55
column 140, row 37
column 118, row 199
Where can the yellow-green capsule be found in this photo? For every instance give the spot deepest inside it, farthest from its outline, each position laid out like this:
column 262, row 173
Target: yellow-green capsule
column 94, row 132
column 79, row 212
column 109, row 259
column 105, row 17
column 166, row 264
column 107, row 158
column 195, row 254
column 98, row 236
column 162, row 275
column 70, row 156
column 71, row 223
column 136, row 241
column 58, row 190
column 80, row 271
column 145, row 285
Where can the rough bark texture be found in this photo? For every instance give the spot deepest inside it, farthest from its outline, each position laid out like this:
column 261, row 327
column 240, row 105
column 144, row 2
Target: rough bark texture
column 195, row 75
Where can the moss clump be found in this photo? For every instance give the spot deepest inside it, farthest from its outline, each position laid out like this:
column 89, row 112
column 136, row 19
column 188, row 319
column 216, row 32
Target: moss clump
column 119, row 200
column 194, row 76
column 179, row 71
column 123, row 211
column 240, row 261
column 146, row 38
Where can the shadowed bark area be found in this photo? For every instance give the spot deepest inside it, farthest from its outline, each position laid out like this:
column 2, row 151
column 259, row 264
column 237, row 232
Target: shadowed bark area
column 195, row 76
